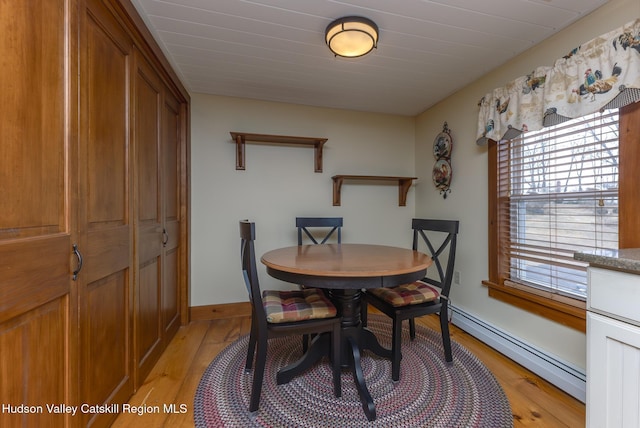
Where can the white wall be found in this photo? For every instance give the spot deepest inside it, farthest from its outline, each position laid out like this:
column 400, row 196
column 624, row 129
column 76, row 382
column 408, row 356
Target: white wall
column 468, row 200
column 279, row 183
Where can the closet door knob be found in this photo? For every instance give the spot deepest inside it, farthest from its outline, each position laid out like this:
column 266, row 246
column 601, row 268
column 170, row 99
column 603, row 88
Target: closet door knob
column 79, row 257
column 165, row 237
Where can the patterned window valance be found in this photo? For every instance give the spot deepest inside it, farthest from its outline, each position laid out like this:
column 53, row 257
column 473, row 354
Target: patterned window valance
column 601, row 74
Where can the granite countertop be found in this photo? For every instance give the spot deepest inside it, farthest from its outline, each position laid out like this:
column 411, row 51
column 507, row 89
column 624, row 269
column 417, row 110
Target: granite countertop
column 626, row 260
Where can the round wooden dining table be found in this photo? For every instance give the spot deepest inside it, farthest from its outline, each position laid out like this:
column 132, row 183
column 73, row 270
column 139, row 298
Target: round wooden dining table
column 344, row 270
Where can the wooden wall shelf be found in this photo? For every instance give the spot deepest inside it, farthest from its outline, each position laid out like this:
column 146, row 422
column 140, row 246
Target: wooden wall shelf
column 240, row 138
column 404, row 183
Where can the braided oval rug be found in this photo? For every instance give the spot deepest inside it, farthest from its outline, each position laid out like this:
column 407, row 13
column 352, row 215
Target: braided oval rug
column 430, row 393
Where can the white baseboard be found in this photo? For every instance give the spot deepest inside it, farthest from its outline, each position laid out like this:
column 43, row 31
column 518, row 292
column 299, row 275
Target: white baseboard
column 560, row 373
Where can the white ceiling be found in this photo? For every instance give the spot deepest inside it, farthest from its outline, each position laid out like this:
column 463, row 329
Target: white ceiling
column 274, row 49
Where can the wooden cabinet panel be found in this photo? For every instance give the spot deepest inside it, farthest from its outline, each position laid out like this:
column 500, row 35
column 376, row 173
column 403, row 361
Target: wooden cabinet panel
column 171, row 152
column 147, row 140
column 36, row 338
column 108, row 250
column 147, row 101
column 148, row 334
column 105, row 283
column 106, row 324
column 172, row 170
column 32, row 273
column 106, row 107
column 34, row 345
column 32, row 127
column 170, row 293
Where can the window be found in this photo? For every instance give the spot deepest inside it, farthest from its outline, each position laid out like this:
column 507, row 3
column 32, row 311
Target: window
column 555, row 192
column 559, row 187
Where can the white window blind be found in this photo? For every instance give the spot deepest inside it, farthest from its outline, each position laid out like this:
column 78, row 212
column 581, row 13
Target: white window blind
column 558, row 194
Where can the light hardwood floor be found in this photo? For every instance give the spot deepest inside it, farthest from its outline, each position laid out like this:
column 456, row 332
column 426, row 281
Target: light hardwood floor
column 174, row 379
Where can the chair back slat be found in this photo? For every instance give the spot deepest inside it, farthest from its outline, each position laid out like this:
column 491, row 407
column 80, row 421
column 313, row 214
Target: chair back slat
column 305, row 223
column 249, row 268
column 430, row 231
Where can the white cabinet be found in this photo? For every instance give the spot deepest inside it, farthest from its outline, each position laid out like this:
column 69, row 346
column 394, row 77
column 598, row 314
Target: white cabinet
column 613, row 373
column 613, row 349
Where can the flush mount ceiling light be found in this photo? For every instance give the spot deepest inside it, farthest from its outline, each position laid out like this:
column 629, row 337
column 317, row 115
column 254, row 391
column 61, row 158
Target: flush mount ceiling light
column 351, row 36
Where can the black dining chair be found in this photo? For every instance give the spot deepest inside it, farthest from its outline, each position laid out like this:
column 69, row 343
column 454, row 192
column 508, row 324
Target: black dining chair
column 283, row 313
column 317, row 230
column 310, row 226
column 427, row 296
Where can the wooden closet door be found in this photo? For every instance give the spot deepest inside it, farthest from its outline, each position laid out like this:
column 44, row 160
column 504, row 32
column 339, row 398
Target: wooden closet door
column 173, row 155
column 36, row 293
column 148, row 289
column 105, row 214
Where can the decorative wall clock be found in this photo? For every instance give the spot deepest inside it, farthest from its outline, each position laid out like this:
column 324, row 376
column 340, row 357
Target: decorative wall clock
column 442, row 172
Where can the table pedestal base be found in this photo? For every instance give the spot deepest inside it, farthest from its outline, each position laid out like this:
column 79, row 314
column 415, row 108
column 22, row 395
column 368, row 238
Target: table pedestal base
column 354, row 340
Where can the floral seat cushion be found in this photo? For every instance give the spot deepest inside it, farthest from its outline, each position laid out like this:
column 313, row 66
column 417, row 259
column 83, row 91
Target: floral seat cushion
column 296, row 305
column 407, row 294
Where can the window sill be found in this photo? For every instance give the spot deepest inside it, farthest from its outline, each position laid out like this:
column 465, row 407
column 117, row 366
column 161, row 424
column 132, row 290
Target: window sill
column 570, row 315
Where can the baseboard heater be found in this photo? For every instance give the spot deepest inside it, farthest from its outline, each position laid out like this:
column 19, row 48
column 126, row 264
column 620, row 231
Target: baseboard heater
column 560, row 373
